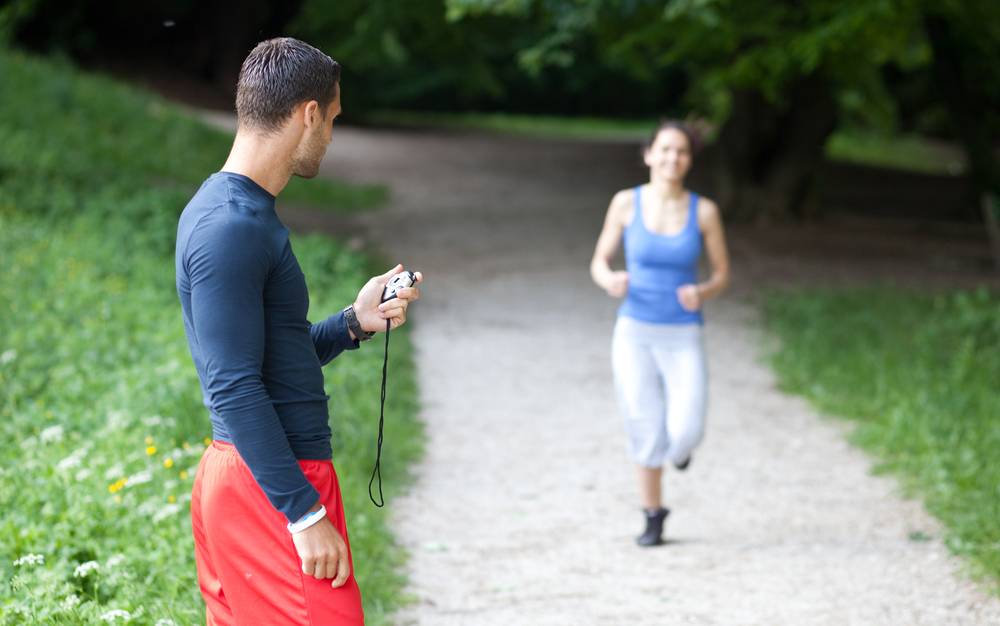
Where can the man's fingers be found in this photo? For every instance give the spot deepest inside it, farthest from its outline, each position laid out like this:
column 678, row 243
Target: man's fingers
column 397, row 321
column 384, row 278
column 396, row 304
column 343, row 570
column 322, row 550
column 408, row 293
column 308, row 567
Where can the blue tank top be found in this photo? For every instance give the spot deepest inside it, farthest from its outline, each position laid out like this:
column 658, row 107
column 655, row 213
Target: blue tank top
column 657, row 265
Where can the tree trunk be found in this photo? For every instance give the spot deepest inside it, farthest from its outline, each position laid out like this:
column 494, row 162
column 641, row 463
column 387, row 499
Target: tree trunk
column 969, row 114
column 768, row 154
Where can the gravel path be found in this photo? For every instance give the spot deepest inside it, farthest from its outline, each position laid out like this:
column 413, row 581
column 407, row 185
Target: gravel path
column 524, row 510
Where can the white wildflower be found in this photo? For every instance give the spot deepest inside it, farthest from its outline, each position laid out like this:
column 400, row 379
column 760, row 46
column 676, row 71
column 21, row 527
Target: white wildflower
column 70, row 603
column 152, row 420
column 117, row 420
column 167, row 511
column 147, row 508
column 138, row 478
column 166, row 622
column 52, row 433
column 115, row 471
column 73, row 460
column 83, row 474
column 116, row 560
column 8, row 356
column 86, row 568
column 30, row 559
column 112, row 616
column 69, row 462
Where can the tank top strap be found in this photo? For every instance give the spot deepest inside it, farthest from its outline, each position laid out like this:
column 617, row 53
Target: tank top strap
column 693, row 212
column 637, row 204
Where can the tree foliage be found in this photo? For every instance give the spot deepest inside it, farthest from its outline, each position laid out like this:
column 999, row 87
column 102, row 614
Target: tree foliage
column 206, row 38
column 775, row 77
column 411, row 54
column 779, row 76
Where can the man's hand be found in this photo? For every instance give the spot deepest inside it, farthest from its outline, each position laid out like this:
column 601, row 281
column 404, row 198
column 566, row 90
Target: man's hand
column 323, row 552
column 372, row 312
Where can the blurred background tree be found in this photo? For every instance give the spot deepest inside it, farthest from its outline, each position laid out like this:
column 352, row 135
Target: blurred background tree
column 410, row 54
column 205, row 39
column 779, row 77
column 774, row 78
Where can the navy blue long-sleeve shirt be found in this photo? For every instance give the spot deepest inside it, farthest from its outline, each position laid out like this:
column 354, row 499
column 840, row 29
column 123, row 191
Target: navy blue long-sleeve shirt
column 245, row 302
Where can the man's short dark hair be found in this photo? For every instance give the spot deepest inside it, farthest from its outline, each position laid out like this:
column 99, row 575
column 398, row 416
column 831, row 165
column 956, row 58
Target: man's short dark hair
column 278, row 76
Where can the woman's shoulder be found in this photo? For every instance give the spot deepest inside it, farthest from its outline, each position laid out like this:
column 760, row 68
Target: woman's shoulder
column 622, row 206
column 625, row 196
column 706, row 206
column 708, row 211
column 624, row 199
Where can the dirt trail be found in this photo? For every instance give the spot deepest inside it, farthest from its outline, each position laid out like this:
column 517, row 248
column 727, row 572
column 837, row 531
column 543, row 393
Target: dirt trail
column 524, row 511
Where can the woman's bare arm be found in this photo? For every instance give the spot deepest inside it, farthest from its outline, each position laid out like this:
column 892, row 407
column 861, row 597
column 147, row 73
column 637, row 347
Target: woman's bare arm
column 619, row 215
column 710, row 222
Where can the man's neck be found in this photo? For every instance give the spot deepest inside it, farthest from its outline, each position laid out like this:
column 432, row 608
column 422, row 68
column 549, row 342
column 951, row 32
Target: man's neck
column 263, row 159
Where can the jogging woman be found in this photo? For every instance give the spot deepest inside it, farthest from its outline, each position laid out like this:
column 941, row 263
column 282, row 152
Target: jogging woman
column 657, row 351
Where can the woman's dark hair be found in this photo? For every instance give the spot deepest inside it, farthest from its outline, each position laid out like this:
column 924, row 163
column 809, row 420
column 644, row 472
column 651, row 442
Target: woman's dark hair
column 279, row 75
column 693, row 137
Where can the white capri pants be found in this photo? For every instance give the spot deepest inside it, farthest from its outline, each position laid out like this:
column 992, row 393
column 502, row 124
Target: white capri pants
column 661, row 385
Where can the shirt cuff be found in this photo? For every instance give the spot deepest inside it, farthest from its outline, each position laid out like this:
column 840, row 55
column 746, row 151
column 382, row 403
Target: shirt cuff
column 331, row 337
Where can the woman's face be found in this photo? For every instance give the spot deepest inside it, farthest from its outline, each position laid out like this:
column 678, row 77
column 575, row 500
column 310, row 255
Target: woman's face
column 669, row 158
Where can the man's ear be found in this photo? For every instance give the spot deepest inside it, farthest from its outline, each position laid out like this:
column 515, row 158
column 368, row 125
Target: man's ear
column 310, row 114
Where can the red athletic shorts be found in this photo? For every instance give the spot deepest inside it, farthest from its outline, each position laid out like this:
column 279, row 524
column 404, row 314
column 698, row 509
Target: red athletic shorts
column 248, row 570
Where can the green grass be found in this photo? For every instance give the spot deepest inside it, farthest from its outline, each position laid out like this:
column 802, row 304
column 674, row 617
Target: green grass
column 333, row 196
column 592, row 128
column 919, row 375
column 101, row 422
column 909, row 152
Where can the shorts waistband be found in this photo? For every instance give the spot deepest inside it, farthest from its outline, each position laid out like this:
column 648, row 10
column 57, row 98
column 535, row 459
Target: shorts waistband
column 228, row 449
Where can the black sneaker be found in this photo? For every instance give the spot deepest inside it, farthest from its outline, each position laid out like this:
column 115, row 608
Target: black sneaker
column 654, row 527
column 683, row 466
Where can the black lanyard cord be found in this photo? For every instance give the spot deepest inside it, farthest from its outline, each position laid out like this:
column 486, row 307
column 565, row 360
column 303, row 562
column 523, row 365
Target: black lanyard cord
column 381, row 421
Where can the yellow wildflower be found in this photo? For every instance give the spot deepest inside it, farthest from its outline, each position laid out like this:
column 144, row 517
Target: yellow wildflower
column 149, row 440
column 184, row 474
column 172, row 498
column 168, row 462
column 151, row 450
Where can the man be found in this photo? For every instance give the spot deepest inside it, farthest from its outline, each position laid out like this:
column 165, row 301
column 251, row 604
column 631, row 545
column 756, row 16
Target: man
column 266, row 509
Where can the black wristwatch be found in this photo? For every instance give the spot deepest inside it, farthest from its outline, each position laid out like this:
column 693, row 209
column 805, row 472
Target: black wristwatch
column 355, row 325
